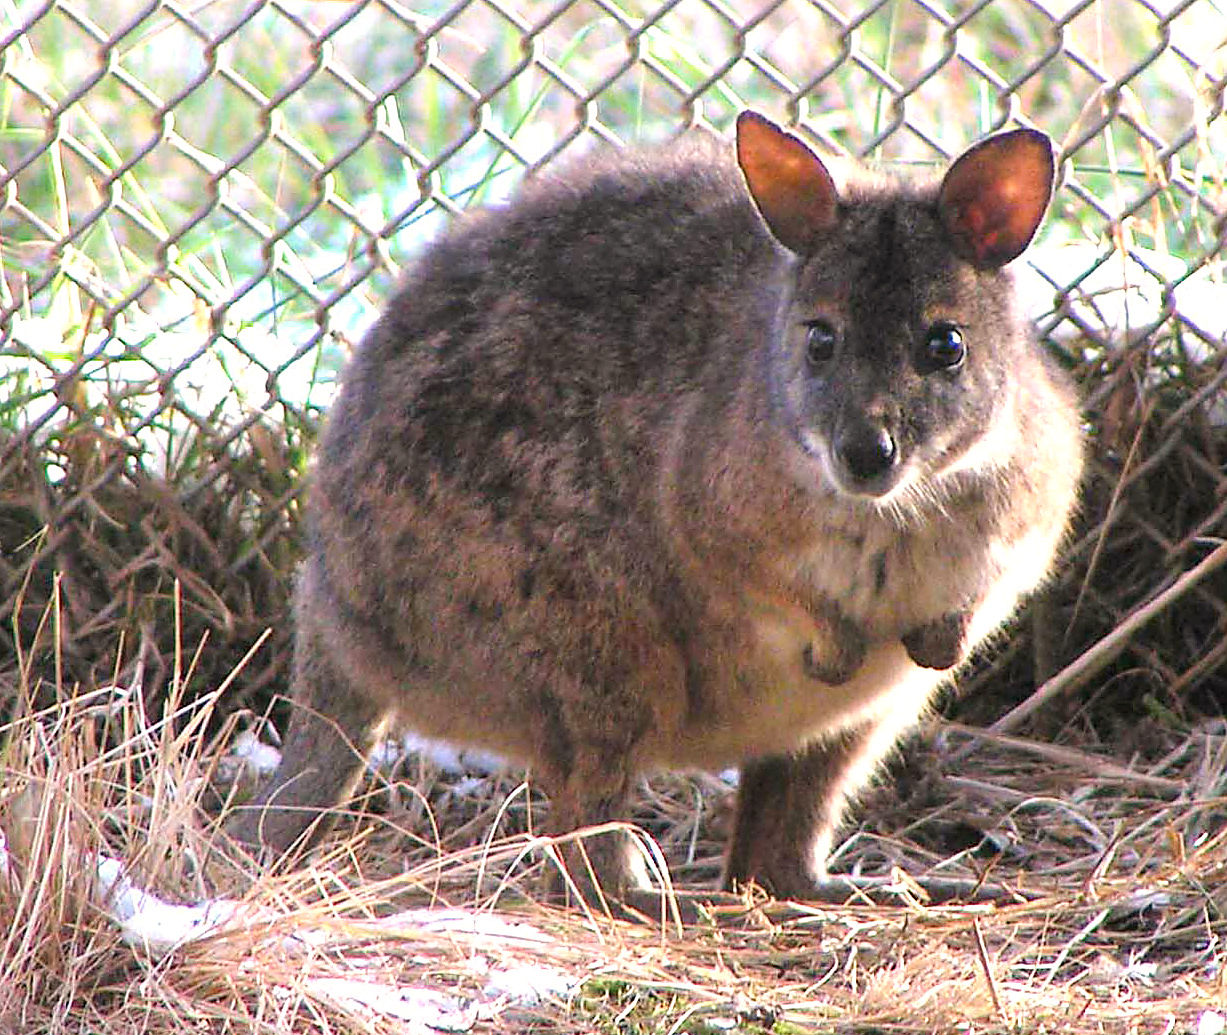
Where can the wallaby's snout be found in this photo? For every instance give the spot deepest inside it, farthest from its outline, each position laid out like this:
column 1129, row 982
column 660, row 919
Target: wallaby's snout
column 866, row 454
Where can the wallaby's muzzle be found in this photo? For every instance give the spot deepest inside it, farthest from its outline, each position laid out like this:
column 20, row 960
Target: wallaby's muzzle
column 867, row 456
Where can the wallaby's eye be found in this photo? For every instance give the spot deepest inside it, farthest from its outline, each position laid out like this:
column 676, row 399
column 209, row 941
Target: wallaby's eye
column 943, row 347
column 819, row 342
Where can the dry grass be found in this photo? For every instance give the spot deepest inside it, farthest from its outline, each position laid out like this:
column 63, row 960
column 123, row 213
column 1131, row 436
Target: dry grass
column 1121, row 861
column 139, row 553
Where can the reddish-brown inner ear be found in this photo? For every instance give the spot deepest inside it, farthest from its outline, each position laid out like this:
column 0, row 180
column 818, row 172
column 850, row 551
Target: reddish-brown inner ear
column 791, row 187
column 995, row 194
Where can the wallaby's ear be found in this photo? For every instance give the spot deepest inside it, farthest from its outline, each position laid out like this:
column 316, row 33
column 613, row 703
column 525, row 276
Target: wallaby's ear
column 995, row 194
column 791, row 187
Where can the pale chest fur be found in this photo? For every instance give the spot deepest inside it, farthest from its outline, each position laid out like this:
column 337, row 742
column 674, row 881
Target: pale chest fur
column 889, row 580
column 760, row 699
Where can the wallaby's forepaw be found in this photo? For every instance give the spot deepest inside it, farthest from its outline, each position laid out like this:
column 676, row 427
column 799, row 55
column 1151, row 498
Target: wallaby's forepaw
column 836, row 650
column 831, row 670
column 939, row 644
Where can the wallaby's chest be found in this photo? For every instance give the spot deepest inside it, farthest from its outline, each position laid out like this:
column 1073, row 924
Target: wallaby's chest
column 752, row 695
column 888, row 581
column 763, row 693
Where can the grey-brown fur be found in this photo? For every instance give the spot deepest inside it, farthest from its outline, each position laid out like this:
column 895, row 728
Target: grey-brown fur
column 576, row 501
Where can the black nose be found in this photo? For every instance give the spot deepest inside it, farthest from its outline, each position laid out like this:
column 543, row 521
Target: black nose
column 867, row 452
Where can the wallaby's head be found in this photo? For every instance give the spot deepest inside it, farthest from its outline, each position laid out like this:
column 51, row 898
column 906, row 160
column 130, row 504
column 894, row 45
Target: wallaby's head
column 900, row 344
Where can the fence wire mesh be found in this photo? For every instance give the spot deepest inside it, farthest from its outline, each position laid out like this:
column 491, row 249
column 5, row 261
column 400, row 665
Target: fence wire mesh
column 201, row 207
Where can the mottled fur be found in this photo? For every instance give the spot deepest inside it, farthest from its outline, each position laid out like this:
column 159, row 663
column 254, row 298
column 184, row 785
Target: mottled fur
column 578, row 502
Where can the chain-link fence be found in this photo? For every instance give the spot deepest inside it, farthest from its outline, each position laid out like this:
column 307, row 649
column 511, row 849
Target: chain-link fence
column 202, row 205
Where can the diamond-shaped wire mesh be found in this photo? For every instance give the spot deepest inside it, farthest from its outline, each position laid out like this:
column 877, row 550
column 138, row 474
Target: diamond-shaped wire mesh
column 202, row 205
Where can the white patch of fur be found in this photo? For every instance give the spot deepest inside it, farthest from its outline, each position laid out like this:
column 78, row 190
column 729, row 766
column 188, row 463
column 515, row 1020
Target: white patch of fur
column 992, row 450
column 1022, row 565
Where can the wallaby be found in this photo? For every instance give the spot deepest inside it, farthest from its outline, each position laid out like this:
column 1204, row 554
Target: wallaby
column 689, row 457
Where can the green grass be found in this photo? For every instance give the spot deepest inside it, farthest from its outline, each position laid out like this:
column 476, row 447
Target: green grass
column 618, row 1006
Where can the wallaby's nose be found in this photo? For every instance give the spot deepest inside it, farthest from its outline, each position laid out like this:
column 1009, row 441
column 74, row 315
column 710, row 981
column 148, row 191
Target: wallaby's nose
column 868, row 453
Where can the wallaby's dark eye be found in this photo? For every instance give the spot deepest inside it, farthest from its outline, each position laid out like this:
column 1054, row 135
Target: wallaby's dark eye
column 819, row 342
column 943, row 347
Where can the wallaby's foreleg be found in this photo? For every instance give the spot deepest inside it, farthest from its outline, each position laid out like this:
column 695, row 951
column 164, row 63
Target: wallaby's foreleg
column 941, row 644
column 836, row 649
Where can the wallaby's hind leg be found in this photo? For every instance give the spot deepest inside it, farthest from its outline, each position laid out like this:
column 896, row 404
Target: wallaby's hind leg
column 585, row 761
column 788, row 811
column 600, row 866
column 332, row 729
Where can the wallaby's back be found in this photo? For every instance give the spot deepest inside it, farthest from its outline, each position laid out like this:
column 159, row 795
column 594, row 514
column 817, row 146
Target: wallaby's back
column 488, row 476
